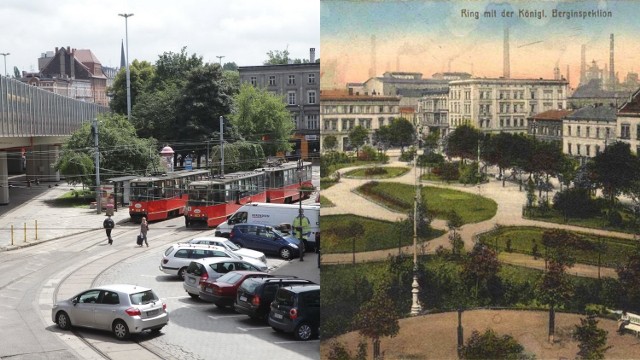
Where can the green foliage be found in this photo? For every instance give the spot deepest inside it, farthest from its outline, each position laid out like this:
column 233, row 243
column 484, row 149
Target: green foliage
column 367, row 153
column 409, row 154
column 262, row 117
column 358, row 136
column 330, row 142
column 339, row 352
column 531, row 193
column 629, row 276
column 141, row 75
column 480, row 268
column 592, row 340
column 376, row 170
column 402, row 132
column 230, row 66
column 490, row 345
column 615, row 169
column 239, row 156
column 121, row 152
column 469, row 174
column 614, row 218
column 447, row 171
column 463, row 142
column 277, row 57
column 378, row 317
column 576, row 202
column 431, row 159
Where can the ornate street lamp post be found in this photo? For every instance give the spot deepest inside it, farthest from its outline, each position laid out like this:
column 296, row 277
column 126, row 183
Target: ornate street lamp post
column 415, row 287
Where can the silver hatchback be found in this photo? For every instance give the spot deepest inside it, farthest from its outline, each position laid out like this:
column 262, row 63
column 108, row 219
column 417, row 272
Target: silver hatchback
column 122, row 309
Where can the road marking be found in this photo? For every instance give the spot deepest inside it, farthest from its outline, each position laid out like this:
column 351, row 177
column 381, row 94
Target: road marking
column 225, row 316
column 254, row 328
column 295, row 342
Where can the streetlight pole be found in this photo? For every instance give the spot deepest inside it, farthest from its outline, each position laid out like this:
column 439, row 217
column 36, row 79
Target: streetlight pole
column 126, row 30
column 5, row 62
column 415, row 303
column 221, row 147
column 220, row 59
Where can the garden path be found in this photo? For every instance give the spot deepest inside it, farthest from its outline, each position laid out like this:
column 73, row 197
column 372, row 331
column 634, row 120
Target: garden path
column 509, row 199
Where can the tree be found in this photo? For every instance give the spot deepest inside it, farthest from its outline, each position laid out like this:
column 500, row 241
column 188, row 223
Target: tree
column 629, row 277
column 614, row 169
column 262, row 117
column 481, row 266
column 141, row 74
column 16, row 73
column 492, row 346
column 277, row 57
column 232, row 66
column 402, row 132
column 592, row 340
column 330, row 142
column 121, row 151
column 358, row 137
column 378, row 318
column 382, row 137
column 175, row 67
column 454, row 223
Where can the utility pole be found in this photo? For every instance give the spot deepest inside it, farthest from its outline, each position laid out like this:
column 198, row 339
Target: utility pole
column 220, row 59
column 221, row 147
column 95, row 142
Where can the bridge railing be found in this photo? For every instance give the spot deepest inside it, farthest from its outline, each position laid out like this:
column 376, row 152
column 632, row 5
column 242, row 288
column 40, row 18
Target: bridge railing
column 26, row 111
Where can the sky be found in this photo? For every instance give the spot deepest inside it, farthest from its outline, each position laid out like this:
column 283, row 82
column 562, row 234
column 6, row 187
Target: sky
column 435, row 36
column 242, row 31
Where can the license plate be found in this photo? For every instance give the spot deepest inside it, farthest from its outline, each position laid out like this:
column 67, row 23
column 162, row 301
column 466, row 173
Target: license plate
column 153, row 312
column 277, row 316
column 243, row 298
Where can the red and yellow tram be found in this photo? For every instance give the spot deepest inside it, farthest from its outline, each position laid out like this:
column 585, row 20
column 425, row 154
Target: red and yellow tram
column 211, row 201
column 162, row 196
column 283, row 184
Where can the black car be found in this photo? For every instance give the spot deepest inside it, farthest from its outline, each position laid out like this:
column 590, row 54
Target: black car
column 256, row 294
column 266, row 239
column 296, row 309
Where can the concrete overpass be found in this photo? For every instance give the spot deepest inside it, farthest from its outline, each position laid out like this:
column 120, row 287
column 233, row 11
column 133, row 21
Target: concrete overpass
column 33, row 125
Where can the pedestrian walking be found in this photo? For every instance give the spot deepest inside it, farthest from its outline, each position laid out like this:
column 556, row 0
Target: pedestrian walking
column 108, row 225
column 144, row 227
column 301, row 230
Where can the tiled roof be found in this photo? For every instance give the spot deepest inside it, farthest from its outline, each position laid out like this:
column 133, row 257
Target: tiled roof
column 605, row 113
column 86, row 56
column 552, row 115
column 632, row 106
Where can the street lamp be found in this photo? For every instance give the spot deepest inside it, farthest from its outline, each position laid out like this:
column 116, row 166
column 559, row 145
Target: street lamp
column 220, row 59
column 5, row 62
column 415, row 290
column 126, row 30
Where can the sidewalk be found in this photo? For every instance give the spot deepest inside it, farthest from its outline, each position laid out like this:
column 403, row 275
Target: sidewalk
column 28, row 206
column 509, row 213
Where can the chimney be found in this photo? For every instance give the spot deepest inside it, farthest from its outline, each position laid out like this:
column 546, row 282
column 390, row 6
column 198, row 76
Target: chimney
column 583, row 64
column 68, row 49
column 612, row 73
column 373, row 70
column 506, row 62
column 312, row 55
column 72, row 68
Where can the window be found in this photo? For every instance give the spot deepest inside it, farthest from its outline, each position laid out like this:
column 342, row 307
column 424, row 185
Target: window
column 588, row 132
column 311, row 97
column 311, row 79
column 272, row 80
column 587, row 149
column 578, row 149
column 569, row 149
column 569, row 130
column 638, row 132
column 312, row 122
column 254, row 80
column 625, row 131
column 578, row 131
column 598, row 132
column 292, row 80
column 291, row 97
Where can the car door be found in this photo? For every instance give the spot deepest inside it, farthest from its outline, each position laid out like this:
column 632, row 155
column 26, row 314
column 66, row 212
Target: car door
column 83, row 311
column 106, row 309
column 268, row 240
column 249, row 237
column 241, row 265
column 311, row 305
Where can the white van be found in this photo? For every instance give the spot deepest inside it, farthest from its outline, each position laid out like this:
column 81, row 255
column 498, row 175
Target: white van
column 280, row 216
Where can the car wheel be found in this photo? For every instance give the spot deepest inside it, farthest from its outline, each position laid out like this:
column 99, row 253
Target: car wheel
column 194, row 296
column 120, row 330
column 181, row 272
column 303, row 332
column 285, row 253
column 64, row 322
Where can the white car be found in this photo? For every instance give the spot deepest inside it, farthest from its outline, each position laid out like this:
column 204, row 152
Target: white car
column 122, row 309
column 177, row 257
column 229, row 245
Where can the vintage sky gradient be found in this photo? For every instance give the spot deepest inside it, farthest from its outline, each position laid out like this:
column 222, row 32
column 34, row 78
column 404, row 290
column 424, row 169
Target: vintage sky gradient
column 433, row 36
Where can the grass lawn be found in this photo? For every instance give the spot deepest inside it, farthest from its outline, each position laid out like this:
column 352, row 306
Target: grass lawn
column 326, row 183
column 324, row 202
column 472, row 208
column 523, row 238
column 599, row 222
column 389, row 172
column 77, row 199
column 338, row 232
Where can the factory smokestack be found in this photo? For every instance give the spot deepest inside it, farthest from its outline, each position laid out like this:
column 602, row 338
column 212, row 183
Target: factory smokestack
column 506, row 63
column 583, row 64
column 556, row 73
column 568, row 76
column 372, row 70
column 612, row 72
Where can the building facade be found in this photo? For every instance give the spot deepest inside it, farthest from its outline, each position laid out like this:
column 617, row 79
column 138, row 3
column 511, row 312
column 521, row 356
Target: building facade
column 433, row 112
column 547, row 125
column 300, row 86
column 588, row 131
column 628, row 122
column 503, row 105
column 341, row 112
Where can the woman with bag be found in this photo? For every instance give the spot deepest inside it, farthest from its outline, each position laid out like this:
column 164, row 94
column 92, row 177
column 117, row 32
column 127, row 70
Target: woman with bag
column 144, row 227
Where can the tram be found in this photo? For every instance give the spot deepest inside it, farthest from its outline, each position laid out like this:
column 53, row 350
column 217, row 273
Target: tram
column 211, row 201
column 162, row 196
column 283, row 185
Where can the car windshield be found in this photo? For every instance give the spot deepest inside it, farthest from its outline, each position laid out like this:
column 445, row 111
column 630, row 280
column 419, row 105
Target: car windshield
column 230, row 278
column 143, row 297
column 231, row 246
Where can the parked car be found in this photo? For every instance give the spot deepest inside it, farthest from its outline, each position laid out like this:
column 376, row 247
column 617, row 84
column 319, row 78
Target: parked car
column 202, row 270
column 256, row 294
column 223, row 290
column 266, row 239
column 296, row 309
column 122, row 309
column 177, row 257
column 230, row 246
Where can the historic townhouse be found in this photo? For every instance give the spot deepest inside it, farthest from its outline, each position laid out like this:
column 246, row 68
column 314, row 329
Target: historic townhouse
column 300, row 86
column 433, row 112
column 547, row 125
column 340, row 112
column 497, row 105
column 628, row 124
column 588, row 131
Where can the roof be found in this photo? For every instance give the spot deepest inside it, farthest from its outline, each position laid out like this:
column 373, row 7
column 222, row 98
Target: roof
column 605, row 113
column 508, row 81
column 348, row 97
column 632, row 106
column 407, row 109
column 552, row 115
column 422, row 92
column 302, row 288
column 85, row 56
column 124, row 288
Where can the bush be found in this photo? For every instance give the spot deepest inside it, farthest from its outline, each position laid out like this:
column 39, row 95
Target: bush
column 408, row 155
column 469, row 174
column 614, row 218
column 376, row 170
column 576, row 202
column 367, row 153
column 448, row 172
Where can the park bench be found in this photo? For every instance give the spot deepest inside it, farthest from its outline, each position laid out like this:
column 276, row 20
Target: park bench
column 634, row 323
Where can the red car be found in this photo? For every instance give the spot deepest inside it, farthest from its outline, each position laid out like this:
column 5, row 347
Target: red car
column 222, row 291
